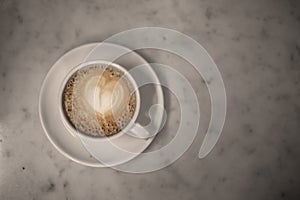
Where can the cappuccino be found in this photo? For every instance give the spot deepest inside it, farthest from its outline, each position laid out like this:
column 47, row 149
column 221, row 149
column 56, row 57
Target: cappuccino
column 99, row 100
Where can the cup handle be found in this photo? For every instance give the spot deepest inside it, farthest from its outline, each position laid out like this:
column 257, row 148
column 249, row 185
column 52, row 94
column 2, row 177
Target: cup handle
column 138, row 131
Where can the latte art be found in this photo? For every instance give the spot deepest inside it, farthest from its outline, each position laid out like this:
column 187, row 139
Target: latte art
column 99, row 100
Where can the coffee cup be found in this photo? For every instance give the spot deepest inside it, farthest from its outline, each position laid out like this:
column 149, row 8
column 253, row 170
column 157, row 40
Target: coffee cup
column 101, row 100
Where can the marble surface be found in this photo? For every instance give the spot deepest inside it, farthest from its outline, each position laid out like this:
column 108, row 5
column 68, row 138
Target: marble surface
column 256, row 45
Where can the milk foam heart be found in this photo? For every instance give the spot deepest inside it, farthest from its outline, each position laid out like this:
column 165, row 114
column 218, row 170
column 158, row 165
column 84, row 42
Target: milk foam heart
column 99, row 100
column 106, row 97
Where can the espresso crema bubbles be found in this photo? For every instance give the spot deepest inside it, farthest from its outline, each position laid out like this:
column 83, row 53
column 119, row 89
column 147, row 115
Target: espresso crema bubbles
column 99, row 100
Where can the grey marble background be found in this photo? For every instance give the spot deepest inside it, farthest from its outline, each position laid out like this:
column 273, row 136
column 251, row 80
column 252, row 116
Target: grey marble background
column 256, row 45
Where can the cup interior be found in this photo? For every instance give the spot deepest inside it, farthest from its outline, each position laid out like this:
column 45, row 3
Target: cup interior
column 67, row 122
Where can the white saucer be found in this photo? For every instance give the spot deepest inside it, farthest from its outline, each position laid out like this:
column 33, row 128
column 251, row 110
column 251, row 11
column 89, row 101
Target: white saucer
column 70, row 145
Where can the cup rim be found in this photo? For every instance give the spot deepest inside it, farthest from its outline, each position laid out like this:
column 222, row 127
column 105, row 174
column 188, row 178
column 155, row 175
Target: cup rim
column 65, row 119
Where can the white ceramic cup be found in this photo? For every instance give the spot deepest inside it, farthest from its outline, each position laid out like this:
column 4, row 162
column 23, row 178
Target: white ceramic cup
column 132, row 128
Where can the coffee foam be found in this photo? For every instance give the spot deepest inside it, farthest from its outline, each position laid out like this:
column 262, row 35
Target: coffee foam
column 99, row 101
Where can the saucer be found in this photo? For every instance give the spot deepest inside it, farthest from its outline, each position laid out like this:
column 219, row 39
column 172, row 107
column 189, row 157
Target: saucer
column 71, row 145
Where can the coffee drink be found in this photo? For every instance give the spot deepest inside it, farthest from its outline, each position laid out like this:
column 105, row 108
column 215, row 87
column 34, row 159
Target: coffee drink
column 99, row 100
